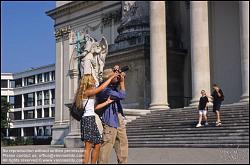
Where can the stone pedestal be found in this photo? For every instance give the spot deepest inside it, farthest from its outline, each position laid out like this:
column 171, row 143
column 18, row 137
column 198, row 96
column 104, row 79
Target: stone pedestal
column 59, row 131
column 73, row 139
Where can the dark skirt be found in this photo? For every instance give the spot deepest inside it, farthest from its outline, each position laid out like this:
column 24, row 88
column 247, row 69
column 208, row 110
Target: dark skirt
column 89, row 130
column 216, row 106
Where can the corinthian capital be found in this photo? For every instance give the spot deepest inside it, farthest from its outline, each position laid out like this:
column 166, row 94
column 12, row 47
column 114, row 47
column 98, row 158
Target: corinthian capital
column 62, row 33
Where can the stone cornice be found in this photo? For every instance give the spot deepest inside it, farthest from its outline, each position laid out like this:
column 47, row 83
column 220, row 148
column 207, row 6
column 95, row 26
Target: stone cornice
column 114, row 14
column 70, row 8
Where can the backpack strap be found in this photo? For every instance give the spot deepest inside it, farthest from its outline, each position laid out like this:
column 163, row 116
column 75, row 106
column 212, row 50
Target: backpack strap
column 85, row 105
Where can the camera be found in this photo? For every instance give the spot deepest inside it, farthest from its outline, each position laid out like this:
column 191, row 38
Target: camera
column 123, row 69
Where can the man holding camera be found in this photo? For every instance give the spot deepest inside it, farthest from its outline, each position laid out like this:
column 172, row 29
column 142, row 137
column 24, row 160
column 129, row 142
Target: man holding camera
column 113, row 118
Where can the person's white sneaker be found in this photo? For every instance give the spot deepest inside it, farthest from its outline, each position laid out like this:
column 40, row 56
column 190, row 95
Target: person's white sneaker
column 206, row 124
column 198, row 125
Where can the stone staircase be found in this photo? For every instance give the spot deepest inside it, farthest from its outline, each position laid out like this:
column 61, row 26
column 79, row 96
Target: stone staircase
column 176, row 128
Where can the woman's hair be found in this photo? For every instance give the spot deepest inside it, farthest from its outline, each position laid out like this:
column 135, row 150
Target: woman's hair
column 87, row 82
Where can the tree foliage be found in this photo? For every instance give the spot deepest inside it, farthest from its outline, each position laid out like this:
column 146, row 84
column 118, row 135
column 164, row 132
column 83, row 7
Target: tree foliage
column 5, row 107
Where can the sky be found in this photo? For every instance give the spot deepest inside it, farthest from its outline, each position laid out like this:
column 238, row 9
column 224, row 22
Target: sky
column 27, row 35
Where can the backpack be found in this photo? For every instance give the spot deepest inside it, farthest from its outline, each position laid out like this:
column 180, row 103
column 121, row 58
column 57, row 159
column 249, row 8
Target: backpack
column 76, row 112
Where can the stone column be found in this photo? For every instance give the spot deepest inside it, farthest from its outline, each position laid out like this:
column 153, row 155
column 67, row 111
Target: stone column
column 22, row 114
column 42, row 104
column 23, row 82
column 35, row 99
column 35, row 131
column 7, row 132
column 50, row 77
column 61, row 125
column 158, row 55
column 244, row 37
column 42, row 77
column 199, row 49
column 22, row 132
column 50, row 102
column 36, row 79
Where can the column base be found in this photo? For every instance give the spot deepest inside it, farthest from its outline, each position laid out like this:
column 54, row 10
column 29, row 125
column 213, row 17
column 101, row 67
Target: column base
column 244, row 99
column 73, row 141
column 194, row 103
column 60, row 131
column 159, row 107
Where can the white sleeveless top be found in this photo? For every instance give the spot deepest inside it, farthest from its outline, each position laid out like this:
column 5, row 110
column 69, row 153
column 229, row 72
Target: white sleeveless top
column 90, row 107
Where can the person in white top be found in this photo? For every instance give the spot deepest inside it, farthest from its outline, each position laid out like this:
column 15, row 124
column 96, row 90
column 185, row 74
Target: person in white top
column 85, row 98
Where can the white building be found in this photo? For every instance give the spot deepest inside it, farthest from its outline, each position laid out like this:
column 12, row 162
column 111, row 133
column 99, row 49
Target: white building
column 32, row 96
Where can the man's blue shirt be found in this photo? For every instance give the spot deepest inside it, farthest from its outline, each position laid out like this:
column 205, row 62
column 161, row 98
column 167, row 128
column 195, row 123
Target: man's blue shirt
column 110, row 113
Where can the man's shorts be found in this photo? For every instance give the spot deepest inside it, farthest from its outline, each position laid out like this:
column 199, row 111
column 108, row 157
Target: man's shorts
column 216, row 107
column 202, row 112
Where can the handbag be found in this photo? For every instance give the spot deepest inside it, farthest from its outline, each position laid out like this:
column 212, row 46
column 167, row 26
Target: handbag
column 99, row 124
column 76, row 112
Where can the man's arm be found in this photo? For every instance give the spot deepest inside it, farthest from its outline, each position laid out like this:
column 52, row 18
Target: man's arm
column 116, row 95
column 122, row 81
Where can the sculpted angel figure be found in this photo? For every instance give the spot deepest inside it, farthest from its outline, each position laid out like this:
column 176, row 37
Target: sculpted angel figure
column 93, row 57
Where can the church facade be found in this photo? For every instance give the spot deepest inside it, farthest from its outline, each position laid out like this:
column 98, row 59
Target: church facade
column 173, row 50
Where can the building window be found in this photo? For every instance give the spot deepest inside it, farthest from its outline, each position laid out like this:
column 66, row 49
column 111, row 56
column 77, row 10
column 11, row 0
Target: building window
column 46, row 97
column 39, row 98
column 47, row 131
column 31, row 80
column 46, row 112
column 25, row 81
column 12, row 100
column 29, row 99
column 40, row 131
column 52, row 96
column 18, row 115
column 12, row 84
column 53, row 111
column 15, row 132
column 46, row 77
column 11, row 116
column 18, row 83
column 53, row 75
column 29, row 114
column 28, row 131
column 18, row 101
column 39, row 113
column 4, row 83
column 40, row 78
